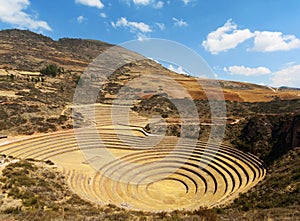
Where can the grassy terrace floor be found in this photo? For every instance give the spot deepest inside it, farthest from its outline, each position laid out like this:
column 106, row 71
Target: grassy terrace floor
column 149, row 173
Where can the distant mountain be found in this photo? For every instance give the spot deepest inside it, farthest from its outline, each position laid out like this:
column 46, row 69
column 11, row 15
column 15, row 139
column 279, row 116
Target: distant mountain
column 289, row 88
column 26, row 50
column 260, row 120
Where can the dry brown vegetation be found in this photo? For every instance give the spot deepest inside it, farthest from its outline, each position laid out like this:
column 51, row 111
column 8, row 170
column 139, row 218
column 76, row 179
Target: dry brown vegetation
column 259, row 119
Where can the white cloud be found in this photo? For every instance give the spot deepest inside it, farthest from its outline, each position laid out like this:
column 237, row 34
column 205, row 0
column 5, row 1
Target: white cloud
column 186, row 2
column 288, row 64
column 267, row 41
column 153, row 3
column 225, row 38
column 178, row 69
column 132, row 25
column 161, row 26
column 247, row 71
column 80, row 19
column 179, row 22
column 158, row 5
column 142, row 2
column 142, row 36
column 91, row 3
column 289, row 76
column 229, row 36
column 12, row 12
column 103, row 15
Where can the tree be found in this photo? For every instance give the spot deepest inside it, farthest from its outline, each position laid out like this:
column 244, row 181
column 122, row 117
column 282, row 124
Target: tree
column 12, row 77
column 52, row 70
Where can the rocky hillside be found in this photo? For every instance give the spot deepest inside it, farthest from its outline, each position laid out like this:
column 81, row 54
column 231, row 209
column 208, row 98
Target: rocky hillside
column 28, row 51
column 270, row 137
column 23, row 51
column 32, row 102
column 278, row 195
column 260, row 120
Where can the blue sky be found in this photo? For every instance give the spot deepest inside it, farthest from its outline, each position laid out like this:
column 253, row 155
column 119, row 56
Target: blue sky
column 254, row 41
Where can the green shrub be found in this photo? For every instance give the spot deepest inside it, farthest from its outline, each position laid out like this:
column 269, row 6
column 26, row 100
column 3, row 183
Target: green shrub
column 51, row 70
column 30, row 201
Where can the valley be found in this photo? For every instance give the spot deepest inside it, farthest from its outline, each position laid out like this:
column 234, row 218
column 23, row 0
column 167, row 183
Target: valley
column 131, row 150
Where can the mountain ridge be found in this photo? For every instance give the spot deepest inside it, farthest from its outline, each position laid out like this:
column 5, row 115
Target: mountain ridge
column 89, row 49
column 259, row 120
